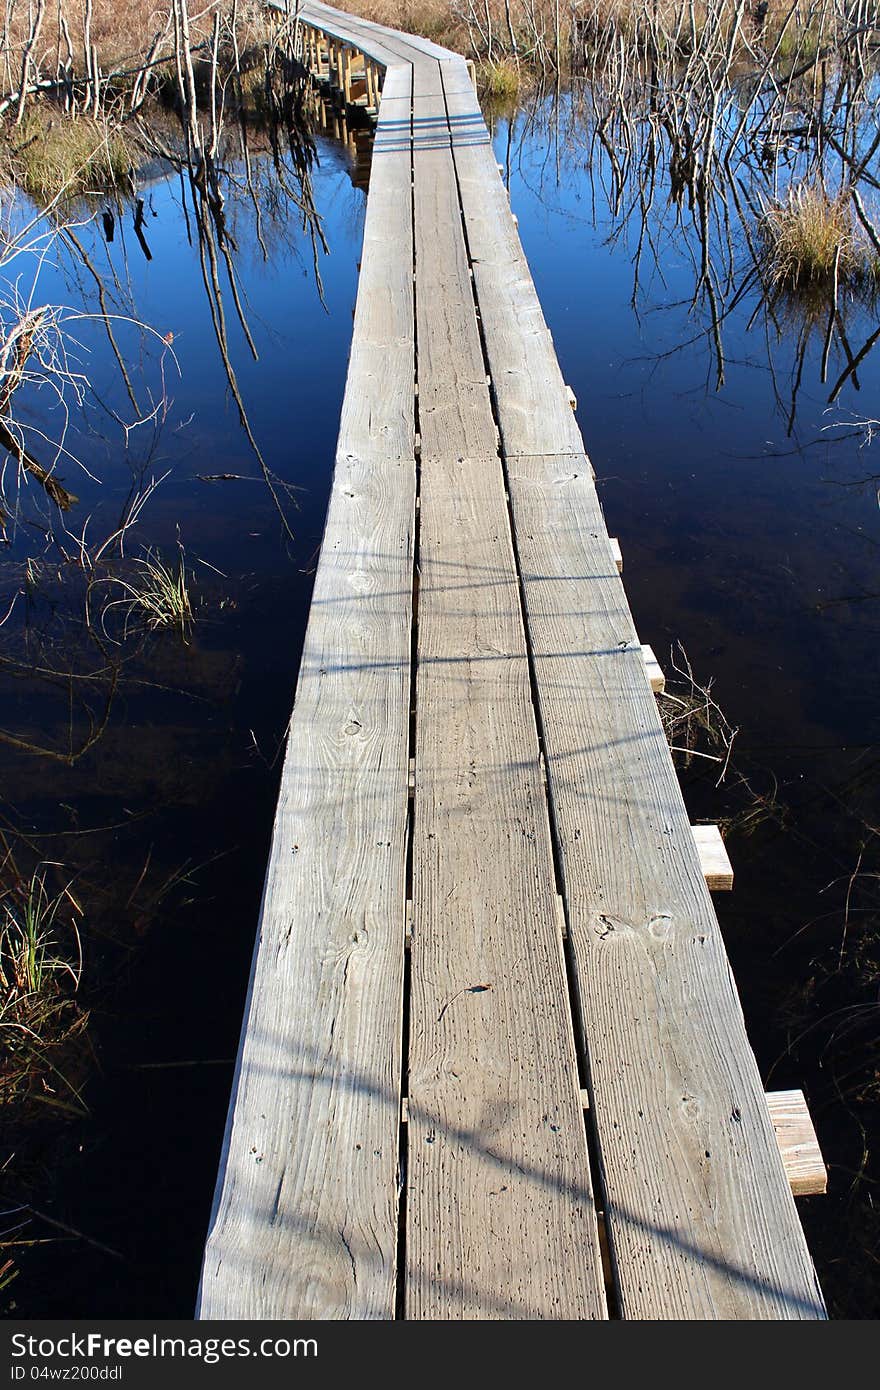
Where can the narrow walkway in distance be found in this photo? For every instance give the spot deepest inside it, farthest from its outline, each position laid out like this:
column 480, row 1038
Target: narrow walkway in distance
column 563, row 940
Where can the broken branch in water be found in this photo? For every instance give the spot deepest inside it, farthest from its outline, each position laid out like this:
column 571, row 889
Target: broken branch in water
column 18, row 348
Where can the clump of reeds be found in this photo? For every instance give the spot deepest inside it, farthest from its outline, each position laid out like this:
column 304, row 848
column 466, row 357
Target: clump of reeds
column 40, row 968
column 56, row 156
column 157, row 595
column 812, row 237
column 500, row 79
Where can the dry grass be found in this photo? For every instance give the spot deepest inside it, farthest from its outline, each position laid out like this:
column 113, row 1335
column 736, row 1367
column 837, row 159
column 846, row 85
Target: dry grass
column 812, row 237
column 123, row 33
column 40, row 1021
column 499, row 80
column 121, row 30
column 54, row 156
column 526, row 30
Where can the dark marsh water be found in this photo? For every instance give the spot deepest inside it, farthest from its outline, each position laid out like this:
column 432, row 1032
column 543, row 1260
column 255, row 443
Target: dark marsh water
column 748, row 517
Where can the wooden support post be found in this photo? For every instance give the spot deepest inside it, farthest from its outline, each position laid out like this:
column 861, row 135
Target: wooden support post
column 798, row 1144
column 653, row 670
column 346, row 75
column 617, row 557
column 340, row 67
column 717, row 869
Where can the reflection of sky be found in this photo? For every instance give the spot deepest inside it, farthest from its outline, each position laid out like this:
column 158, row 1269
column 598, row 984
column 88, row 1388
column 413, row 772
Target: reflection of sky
column 292, row 394
column 735, row 535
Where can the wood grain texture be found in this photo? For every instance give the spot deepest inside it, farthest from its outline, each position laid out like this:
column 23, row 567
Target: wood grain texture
column 798, row 1144
column 534, row 411
column 305, row 1214
column 455, row 411
column 500, row 1214
column 412, row 44
column 701, row 1220
column 377, row 409
column 714, row 859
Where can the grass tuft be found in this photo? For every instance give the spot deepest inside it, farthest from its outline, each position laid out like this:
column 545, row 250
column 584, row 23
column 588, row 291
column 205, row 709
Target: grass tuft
column 39, row 1016
column 59, row 156
column 812, row 238
column 158, row 597
column 499, row 79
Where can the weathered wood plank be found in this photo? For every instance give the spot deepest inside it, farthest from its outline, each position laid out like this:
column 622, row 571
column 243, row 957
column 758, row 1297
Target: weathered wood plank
column 414, row 44
column 700, row 1216
column 455, row 412
column 534, row 411
column 305, row 1214
column 500, row 1214
column 377, row 410
column 368, row 38
column 653, row 669
column 714, row 860
column 798, row 1144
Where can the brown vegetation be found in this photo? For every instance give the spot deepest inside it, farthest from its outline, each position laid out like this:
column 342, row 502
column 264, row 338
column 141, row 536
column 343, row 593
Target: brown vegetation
column 557, row 33
column 813, row 237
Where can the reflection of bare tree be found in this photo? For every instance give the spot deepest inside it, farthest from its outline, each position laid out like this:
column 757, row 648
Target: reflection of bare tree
column 241, row 180
column 211, row 184
column 41, row 376
column 690, row 132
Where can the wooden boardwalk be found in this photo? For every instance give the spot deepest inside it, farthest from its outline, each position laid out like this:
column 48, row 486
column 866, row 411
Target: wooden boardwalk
column 491, row 1026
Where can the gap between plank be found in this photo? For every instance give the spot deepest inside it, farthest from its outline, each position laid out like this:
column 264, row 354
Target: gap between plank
column 403, row 1134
